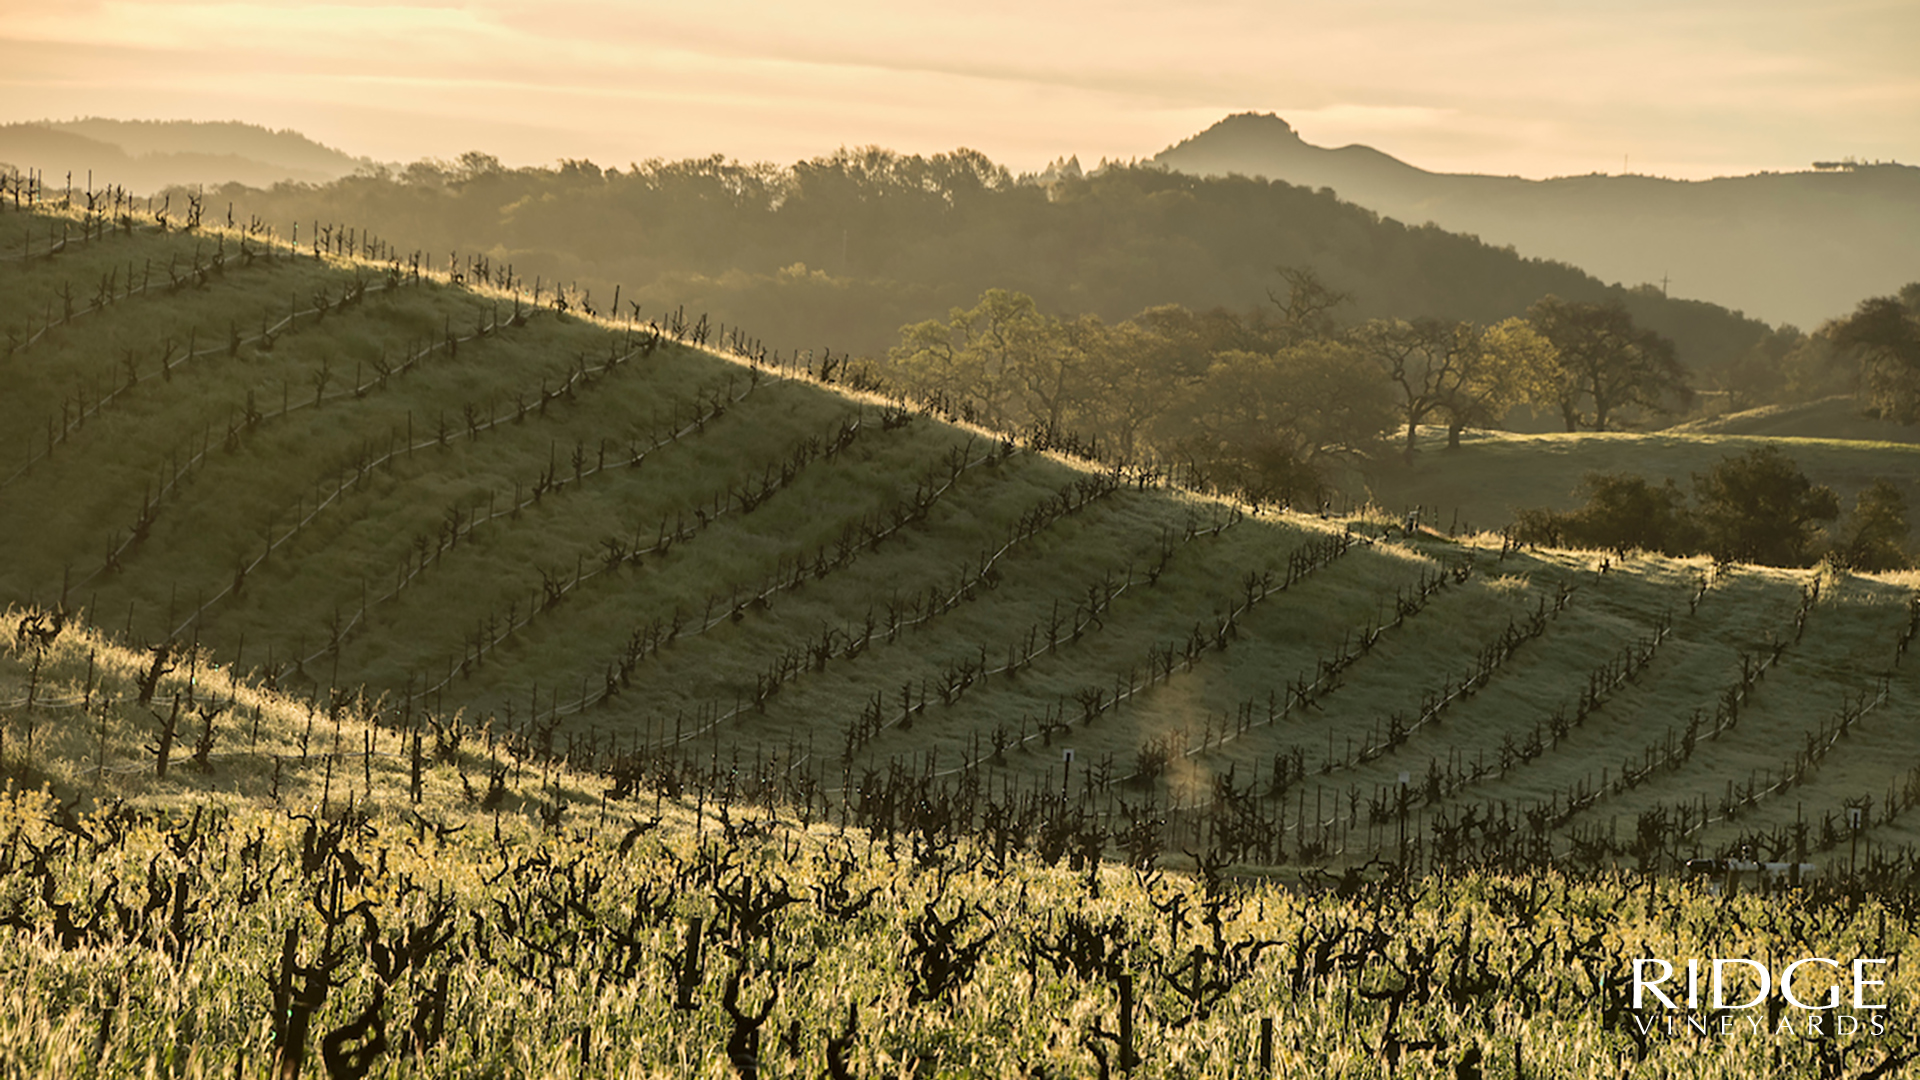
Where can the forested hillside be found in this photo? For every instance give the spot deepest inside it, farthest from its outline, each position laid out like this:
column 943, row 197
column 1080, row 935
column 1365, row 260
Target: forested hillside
column 1798, row 246
column 841, row 251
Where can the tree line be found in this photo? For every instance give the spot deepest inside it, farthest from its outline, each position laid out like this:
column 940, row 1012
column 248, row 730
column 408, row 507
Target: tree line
column 1268, row 403
column 1760, row 507
column 846, row 247
column 1884, row 334
column 1273, row 402
column 1756, row 507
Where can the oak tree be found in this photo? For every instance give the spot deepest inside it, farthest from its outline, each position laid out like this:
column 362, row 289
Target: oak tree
column 1604, row 364
column 1884, row 332
column 1760, row 508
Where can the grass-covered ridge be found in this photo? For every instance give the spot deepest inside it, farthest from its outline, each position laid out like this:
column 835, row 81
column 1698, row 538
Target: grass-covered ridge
column 426, row 681
column 1495, row 474
column 601, row 540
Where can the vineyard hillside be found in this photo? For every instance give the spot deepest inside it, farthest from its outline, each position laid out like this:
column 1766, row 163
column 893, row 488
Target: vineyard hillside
column 447, row 505
column 358, row 910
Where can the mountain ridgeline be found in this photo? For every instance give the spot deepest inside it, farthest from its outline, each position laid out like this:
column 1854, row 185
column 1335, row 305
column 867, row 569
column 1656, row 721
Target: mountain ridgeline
column 1799, row 247
column 145, row 156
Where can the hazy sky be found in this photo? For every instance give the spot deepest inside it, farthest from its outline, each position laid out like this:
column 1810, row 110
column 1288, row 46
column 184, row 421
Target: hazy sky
column 1534, row 87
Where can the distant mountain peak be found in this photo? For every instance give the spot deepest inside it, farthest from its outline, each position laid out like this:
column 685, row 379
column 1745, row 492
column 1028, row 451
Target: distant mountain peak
column 1254, row 121
column 1796, row 247
column 1244, row 130
column 1263, row 144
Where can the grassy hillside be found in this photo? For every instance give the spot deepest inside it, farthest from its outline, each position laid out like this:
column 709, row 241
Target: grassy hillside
column 1493, row 474
column 439, row 667
column 335, row 888
column 1836, row 417
column 323, row 888
column 603, row 542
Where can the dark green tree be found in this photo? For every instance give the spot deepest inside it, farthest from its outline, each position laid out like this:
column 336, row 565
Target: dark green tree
column 474, row 165
column 1884, row 333
column 1465, row 374
column 1427, row 362
column 1760, row 508
column 1012, row 364
column 1877, row 530
column 1269, row 424
column 1605, row 364
column 1627, row 513
column 1143, row 365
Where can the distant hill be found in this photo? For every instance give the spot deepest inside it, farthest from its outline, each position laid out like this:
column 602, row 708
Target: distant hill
column 1796, row 247
column 841, row 251
column 144, row 156
column 1837, row 417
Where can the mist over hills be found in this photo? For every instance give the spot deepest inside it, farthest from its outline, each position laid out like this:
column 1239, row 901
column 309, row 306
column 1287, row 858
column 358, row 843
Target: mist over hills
column 843, row 250
column 144, row 156
column 1784, row 247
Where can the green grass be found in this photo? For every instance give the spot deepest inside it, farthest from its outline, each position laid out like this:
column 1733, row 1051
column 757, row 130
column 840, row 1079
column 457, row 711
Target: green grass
column 415, row 557
column 563, row 912
column 1495, row 474
column 921, row 618
column 1837, row 417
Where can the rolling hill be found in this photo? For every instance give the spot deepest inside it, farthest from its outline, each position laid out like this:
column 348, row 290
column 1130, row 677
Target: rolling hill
column 845, row 249
column 147, row 156
column 1836, row 417
column 443, row 504
column 1784, row 247
column 1495, row 474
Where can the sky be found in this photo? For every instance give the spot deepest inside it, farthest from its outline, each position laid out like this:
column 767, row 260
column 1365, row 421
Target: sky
column 1524, row 87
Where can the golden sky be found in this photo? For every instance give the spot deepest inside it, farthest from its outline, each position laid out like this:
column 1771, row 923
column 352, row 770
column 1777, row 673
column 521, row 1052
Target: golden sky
column 1531, row 87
